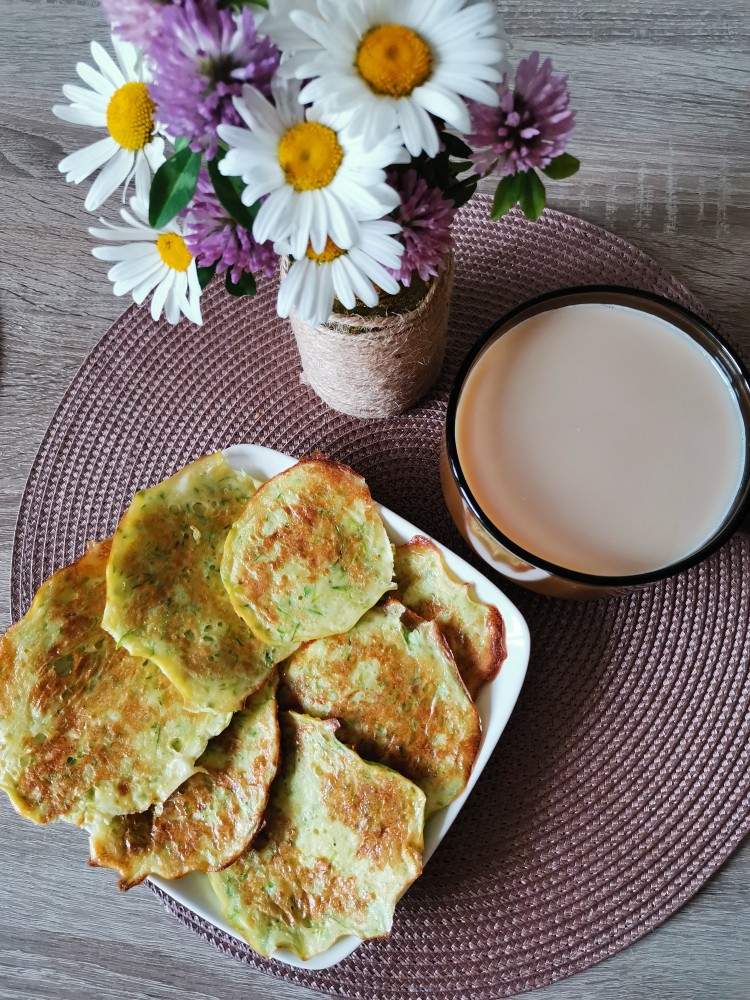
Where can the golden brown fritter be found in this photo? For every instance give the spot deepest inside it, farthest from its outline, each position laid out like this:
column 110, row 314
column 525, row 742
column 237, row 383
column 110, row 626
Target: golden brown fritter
column 211, row 818
column 342, row 843
column 308, row 555
column 474, row 631
column 165, row 598
column 393, row 684
column 86, row 729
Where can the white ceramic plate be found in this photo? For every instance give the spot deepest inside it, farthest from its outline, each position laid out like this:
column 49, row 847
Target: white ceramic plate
column 495, row 703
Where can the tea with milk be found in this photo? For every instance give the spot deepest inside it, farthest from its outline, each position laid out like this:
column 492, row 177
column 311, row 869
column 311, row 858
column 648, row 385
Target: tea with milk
column 601, row 439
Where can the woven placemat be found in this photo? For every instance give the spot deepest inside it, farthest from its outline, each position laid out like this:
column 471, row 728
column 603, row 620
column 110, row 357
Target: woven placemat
column 622, row 781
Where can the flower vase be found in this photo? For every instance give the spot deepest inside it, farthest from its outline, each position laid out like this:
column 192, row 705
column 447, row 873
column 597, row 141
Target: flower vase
column 378, row 362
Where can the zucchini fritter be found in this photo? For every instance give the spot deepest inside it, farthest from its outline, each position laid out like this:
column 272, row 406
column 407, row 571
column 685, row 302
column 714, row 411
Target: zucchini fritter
column 474, row 631
column 165, row 598
column 211, row 818
column 308, row 555
column 342, row 843
column 86, row 729
column 392, row 682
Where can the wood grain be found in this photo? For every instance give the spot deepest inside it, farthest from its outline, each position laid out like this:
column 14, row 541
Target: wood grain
column 662, row 131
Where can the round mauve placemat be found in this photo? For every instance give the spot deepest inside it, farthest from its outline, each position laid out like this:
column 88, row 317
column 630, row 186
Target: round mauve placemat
column 622, row 781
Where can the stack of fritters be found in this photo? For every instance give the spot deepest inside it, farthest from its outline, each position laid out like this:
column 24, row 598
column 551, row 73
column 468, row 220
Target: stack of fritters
column 118, row 688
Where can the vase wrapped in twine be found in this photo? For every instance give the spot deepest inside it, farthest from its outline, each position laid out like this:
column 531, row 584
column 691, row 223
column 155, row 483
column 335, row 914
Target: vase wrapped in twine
column 371, row 365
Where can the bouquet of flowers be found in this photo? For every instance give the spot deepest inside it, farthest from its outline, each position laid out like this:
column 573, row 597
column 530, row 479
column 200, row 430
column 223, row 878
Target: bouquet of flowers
column 342, row 135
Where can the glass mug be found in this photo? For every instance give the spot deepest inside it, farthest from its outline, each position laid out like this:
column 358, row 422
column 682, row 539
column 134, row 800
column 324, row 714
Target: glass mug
column 521, row 564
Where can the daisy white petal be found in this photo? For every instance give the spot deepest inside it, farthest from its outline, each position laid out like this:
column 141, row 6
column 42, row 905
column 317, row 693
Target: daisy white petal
column 132, row 251
column 361, row 284
column 318, row 235
column 233, row 135
column 443, row 104
column 194, row 290
column 154, row 153
column 374, row 271
column 108, row 181
column 172, row 305
column 94, row 79
column 256, row 111
column 84, row 162
column 127, row 56
column 80, row 116
column 290, row 287
column 272, row 213
column 191, row 308
column 107, row 65
column 417, row 129
column 342, row 286
column 160, row 296
column 128, row 275
column 85, row 98
column 343, row 228
column 150, row 282
column 139, row 282
column 179, row 289
column 276, row 23
column 475, row 90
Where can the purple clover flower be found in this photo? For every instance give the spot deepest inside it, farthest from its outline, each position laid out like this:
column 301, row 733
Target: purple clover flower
column 202, row 57
column 531, row 126
column 426, row 217
column 137, row 21
column 213, row 237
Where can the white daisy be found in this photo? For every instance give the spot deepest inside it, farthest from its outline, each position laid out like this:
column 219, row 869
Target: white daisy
column 319, row 180
column 151, row 260
column 296, row 45
column 116, row 100
column 397, row 63
column 316, row 279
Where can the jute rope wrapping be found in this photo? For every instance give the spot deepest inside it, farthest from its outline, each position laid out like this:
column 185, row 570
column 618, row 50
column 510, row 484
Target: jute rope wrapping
column 377, row 366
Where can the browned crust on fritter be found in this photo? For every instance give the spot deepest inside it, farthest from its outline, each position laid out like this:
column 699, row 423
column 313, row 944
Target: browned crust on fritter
column 370, row 716
column 315, row 548
column 92, row 660
column 476, row 667
column 314, row 891
column 339, row 472
column 140, row 827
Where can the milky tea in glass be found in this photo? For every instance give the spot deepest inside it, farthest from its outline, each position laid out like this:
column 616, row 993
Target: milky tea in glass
column 601, row 439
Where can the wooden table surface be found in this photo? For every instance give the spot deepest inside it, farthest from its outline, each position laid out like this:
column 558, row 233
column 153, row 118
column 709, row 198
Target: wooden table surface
column 662, row 89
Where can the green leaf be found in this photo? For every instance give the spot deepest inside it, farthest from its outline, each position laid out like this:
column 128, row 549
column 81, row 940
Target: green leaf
column 237, row 5
column 173, row 186
column 507, row 194
column 562, row 166
column 180, row 143
column 205, row 274
column 441, row 166
column 533, row 196
column 460, row 193
column 245, row 286
column 455, row 146
column 229, row 192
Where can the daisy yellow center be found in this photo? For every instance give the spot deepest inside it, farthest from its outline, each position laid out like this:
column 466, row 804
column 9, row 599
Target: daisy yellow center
column 130, row 115
column 173, row 251
column 310, row 155
column 393, row 60
column 329, row 252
